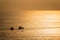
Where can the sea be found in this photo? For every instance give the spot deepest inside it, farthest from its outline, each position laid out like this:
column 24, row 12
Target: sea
column 32, row 19
column 29, row 34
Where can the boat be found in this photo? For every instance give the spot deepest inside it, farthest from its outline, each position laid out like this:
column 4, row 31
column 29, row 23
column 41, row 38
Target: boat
column 20, row 27
column 11, row 28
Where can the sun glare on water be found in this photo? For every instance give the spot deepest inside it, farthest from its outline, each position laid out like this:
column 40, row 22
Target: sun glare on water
column 50, row 21
column 44, row 20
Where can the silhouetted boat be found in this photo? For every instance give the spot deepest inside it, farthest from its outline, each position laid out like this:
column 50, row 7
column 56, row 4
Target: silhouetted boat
column 11, row 28
column 20, row 27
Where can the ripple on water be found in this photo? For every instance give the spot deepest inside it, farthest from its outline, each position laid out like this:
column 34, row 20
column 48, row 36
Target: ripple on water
column 26, row 35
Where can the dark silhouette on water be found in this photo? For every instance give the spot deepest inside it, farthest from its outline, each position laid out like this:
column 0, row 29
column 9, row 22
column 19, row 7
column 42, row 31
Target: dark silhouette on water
column 20, row 27
column 11, row 28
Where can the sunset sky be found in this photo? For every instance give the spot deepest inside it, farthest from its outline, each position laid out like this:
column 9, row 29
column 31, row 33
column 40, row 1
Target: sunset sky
column 29, row 4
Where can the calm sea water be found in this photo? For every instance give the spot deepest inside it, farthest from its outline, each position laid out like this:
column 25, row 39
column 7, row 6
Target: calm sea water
column 31, row 34
column 30, row 19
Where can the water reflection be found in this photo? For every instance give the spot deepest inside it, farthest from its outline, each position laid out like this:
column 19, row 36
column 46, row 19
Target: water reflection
column 37, row 25
column 32, row 34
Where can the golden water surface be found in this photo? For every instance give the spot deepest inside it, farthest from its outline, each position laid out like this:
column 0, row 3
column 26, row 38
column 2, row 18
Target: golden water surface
column 38, row 25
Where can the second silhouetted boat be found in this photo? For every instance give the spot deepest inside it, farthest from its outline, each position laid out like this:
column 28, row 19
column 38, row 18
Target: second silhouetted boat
column 20, row 27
